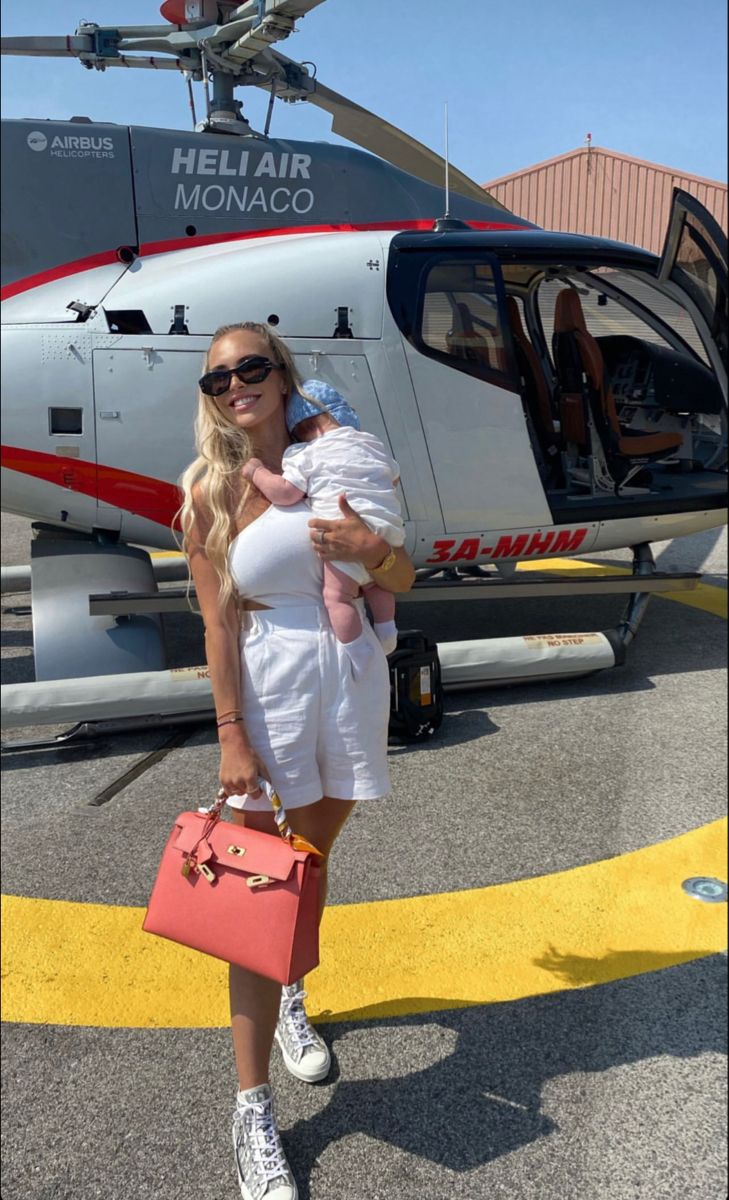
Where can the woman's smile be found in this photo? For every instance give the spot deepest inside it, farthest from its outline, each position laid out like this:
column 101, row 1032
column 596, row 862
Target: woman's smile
column 243, row 402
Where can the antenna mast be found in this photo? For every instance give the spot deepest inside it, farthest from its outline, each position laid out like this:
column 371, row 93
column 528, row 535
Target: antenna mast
column 447, row 191
column 447, row 223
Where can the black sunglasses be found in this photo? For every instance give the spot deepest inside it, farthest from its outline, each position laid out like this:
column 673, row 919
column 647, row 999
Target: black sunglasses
column 253, row 369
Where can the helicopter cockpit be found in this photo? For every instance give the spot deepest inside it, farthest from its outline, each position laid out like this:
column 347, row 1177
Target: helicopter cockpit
column 618, row 390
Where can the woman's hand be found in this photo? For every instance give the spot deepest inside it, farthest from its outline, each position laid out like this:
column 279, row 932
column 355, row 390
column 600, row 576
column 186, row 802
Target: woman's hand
column 348, row 539
column 351, row 540
column 240, row 766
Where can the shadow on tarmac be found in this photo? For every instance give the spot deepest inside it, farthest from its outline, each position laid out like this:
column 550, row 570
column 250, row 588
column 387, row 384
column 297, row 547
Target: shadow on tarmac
column 485, row 1099
column 16, row 637
column 143, row 1113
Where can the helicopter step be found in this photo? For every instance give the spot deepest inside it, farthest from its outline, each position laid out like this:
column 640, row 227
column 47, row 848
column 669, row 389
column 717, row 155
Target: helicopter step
column 118, row 603
column 67, row 639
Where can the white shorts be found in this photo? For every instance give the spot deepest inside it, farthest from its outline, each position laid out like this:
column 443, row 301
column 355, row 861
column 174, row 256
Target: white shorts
column 317, row 730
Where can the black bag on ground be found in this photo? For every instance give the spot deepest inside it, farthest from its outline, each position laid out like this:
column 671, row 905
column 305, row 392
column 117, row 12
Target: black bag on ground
column 416, row 690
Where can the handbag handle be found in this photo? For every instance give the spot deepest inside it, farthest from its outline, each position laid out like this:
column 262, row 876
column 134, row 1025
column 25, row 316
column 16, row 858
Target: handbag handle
column 294, row 840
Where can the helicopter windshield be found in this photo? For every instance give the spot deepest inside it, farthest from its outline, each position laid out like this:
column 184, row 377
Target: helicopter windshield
column 665, row 322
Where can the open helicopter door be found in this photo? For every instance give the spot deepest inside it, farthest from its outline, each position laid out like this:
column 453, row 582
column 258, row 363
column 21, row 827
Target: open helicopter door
column 450, row 306
column 694, row 261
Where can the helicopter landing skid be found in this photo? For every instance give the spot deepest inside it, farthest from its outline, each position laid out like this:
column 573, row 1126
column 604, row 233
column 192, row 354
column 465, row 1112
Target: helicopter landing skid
column 147, row 699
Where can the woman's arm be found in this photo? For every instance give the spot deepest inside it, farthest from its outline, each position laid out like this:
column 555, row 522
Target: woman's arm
column 351, row 540
column 239, row 766
column 401, row 575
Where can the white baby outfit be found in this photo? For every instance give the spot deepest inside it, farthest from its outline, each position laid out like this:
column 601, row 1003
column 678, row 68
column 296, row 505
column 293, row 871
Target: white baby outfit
column 346, row 460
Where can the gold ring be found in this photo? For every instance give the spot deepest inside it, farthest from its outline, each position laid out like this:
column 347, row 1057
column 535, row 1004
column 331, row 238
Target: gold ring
column 321, row 536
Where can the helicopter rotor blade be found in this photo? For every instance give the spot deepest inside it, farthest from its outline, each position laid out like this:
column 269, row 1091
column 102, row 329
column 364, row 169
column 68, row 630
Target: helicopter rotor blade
column 271, row 8
column 255, row 31
column 365, row 129
column 47, row 47
column 82, row 48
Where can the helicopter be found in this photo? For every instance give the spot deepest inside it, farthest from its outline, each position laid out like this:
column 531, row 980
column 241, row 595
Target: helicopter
column 545, row 394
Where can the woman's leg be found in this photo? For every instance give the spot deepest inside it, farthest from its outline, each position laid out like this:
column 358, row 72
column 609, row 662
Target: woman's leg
column 321, row 824
column 254, row 1000
column 305, row 1054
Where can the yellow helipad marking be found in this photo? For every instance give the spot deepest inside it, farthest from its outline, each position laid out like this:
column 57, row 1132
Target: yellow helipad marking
column 88, row 964
column 91, row 964
column 706, row 596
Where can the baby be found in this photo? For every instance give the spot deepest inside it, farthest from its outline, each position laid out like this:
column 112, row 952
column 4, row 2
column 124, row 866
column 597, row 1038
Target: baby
column 331, row 456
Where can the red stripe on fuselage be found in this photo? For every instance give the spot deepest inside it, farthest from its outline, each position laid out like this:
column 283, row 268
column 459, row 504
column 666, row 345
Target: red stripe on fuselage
column 61, row 272
column 170, row 245
column 154, row 499
column 215, row 239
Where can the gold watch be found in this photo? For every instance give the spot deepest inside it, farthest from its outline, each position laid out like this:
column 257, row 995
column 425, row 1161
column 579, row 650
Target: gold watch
column 388, row 561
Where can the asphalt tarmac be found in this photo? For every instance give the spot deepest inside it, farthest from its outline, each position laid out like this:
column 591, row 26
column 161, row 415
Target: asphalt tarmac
column 607, row 1082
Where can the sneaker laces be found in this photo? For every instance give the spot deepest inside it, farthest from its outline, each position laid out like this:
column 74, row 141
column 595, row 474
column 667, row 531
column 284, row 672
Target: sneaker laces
column 293, row 1011
column 266, row 1153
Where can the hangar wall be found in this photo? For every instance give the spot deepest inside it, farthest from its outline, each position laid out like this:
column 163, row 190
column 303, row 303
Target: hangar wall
column 593, row 190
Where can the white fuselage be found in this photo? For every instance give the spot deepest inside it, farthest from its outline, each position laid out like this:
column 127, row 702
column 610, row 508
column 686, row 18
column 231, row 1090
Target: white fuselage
column 98, row 425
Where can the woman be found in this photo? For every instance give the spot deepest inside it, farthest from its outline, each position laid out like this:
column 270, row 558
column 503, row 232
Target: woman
column 288, row 707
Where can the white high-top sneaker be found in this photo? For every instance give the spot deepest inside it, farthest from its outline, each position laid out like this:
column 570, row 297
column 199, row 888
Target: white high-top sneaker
column 263, row 1172
column 305, row 1054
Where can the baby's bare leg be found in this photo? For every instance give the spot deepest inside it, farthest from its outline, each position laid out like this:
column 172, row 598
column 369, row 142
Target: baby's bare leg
column 339, row 592
column 381, row 602
column 382, row 606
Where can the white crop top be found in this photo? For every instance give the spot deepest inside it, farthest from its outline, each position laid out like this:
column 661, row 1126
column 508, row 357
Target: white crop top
column 272, row 560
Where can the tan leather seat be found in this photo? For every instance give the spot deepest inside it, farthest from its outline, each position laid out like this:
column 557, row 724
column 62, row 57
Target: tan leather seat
column 577, row 354
column 463, row 341
column 537, row 392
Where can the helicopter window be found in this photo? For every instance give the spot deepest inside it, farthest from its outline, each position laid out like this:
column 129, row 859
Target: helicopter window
column 695, row 270
column 451, row 306
column 670, row 313
column 460, row 315
column 605, row 316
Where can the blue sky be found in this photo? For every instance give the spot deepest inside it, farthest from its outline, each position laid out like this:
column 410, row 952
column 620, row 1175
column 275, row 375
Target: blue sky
column 524, row 81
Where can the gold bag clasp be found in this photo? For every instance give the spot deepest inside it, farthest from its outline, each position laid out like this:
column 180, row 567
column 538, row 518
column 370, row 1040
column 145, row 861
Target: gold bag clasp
column 239, row 851
column 204, row 870
column 255, row 881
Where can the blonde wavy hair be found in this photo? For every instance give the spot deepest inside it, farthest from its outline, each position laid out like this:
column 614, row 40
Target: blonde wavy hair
column 222, row 450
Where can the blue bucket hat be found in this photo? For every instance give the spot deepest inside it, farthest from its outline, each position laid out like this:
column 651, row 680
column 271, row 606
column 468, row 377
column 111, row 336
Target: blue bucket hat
column 299, row 408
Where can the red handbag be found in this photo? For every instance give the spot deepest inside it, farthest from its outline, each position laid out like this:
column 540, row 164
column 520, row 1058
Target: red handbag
column 247, row 897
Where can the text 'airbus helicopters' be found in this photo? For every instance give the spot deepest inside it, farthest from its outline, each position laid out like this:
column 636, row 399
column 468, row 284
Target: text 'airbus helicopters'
column 544, row 394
